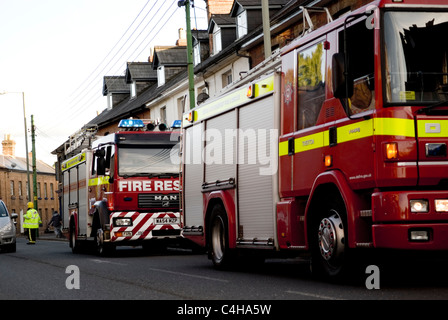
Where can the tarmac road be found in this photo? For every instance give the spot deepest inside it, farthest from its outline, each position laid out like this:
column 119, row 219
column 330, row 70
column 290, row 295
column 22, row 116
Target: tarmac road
column 50, row 271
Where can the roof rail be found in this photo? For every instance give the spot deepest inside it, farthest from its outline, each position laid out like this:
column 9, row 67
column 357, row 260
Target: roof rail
column 307, row 18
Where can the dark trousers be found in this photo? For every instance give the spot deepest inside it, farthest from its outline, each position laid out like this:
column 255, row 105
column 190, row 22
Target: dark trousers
column 32, row 235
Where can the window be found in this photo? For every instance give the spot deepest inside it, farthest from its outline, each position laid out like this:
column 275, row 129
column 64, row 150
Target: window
column 311, row 84
column 110, row 101
column 217, row 44
column 197, row 53
column 51, row 191
column 20, row 189
column 361, row 66
column 163, row 114
column 160, row 76
column 133, row 89
column 12, row 187
column 241, row 21
column 226, row 78
column 39, row 195
column 416, row 57
column 3, row 210
column 45, row 190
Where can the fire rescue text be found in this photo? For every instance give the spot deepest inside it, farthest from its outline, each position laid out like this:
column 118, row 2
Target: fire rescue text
column 149, row 185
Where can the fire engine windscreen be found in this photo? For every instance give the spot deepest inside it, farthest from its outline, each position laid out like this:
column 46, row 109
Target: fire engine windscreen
column 147, row 161
column 416, row 57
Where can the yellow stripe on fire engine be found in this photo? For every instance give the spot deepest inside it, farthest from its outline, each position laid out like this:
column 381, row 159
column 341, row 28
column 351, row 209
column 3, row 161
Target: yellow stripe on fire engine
column 355, row 131
column 98, row 181
column 232, row 100
column 432, row 128
column 359, row 130
column 73, row 161
column 313, row 141
column 394, row 127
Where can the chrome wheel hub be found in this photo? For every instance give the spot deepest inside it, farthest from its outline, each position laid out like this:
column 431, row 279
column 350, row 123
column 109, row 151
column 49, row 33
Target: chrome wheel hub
column 331, row 236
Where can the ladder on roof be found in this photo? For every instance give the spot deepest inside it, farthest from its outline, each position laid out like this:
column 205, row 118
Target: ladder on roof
column 307, row 19
column 80, row 139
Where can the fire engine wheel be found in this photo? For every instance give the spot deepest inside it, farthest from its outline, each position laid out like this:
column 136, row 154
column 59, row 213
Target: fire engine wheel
column 73, row 243
column 329, row 252
column 102, row 248
column 219, row 244
column 331, row 236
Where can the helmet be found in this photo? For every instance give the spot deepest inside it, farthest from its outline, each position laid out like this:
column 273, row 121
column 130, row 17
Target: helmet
column 30, row 205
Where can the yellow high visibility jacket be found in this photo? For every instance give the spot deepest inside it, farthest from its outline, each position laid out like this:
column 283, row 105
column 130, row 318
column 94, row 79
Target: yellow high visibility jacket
column 31, row 219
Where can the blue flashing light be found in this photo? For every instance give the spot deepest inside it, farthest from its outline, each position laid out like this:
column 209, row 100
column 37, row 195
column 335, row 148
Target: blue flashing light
column 131, row 123
column 177, row 124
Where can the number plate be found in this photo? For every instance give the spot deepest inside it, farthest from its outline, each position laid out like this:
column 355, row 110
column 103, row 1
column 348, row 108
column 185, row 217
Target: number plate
column 167, row 221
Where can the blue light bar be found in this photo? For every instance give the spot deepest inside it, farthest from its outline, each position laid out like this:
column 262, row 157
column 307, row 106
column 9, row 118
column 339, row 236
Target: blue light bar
column 131, row 123
column 177, row 124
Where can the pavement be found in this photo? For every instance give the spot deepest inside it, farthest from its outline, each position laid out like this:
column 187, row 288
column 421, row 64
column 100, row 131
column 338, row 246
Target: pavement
column 51, row 236
column 46, row 236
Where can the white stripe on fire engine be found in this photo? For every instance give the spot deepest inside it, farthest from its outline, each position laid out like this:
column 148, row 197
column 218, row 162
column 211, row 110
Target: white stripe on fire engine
column 144, row 227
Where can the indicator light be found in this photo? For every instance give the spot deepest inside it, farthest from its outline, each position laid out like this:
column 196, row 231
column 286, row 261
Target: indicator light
column 328, row 161
column 191, row 116
column 391, row 151
column 251, row 91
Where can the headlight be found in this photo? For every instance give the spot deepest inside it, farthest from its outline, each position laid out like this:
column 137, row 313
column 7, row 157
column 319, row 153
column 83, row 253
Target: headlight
column 419, row 206
column 441, row 205
column 123, row 222
column 6, row 228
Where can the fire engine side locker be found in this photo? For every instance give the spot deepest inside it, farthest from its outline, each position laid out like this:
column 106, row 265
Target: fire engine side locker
column 75, row 200
column 257, row 194
column 248, row 131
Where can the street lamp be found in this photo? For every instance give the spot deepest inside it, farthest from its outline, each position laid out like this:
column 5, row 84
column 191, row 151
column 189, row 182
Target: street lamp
column 26, row 141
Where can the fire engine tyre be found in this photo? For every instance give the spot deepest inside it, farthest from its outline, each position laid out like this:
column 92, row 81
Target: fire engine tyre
column 102, row 248
column 74, row 244
column 329, row 243
column 220, row 252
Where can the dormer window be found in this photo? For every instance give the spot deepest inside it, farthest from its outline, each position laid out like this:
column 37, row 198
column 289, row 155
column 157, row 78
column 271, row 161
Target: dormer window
column 241, row 21
column 160, row 76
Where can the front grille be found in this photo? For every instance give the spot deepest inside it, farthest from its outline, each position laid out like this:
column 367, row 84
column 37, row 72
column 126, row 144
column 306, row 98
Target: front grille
column 151, row 200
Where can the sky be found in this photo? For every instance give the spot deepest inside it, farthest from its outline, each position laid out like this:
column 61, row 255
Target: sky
column 57, row 52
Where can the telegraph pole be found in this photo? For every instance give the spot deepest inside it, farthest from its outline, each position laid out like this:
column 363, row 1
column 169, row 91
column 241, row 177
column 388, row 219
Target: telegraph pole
column 186, row 3
column 33, row 142
column 266, row 28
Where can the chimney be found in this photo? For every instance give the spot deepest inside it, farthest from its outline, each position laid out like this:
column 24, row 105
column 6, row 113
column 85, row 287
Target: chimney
column 9, row 146
column 219, row 7
column 182, row 38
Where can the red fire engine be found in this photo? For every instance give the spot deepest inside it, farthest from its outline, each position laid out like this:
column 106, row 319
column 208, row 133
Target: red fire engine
column 123, row 189
column 354, row 116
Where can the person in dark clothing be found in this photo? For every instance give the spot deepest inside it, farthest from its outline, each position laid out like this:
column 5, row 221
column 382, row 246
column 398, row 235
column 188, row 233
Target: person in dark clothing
column 56, row 222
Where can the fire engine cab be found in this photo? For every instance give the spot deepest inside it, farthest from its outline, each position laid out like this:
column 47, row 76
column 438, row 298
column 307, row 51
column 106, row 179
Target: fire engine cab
column 336, row 143
column 124, row 189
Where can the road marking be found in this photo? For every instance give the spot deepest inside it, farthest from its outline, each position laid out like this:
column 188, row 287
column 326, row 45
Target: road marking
column 110, row 262
column 187, row 275
column 318, row 296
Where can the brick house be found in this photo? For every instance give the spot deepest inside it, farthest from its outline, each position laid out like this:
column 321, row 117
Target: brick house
column 14, row 185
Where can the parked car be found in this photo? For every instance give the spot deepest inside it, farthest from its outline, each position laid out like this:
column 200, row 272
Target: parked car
column 7, row 229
